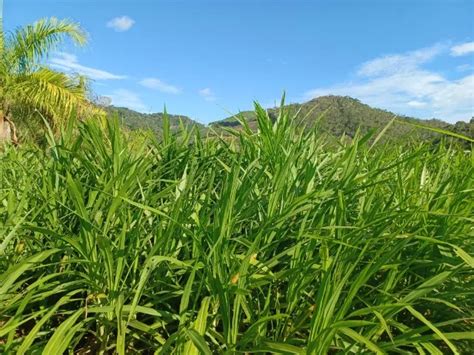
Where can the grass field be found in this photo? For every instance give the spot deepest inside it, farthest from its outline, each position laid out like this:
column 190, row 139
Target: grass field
column 276, row 242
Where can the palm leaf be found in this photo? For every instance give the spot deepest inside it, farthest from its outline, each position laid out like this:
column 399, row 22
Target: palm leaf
column 30, row 44
column 53, row 93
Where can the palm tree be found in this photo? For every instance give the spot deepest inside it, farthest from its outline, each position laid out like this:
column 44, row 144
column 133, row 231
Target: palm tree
column 27, row 85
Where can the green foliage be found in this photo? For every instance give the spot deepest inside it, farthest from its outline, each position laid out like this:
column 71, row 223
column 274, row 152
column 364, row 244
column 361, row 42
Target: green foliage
column 154, row 122
column 340, row 116
column 270, row 242
column 27, row 86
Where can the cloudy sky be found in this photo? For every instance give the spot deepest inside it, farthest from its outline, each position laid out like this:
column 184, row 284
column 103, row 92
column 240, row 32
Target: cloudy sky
column 206, row 59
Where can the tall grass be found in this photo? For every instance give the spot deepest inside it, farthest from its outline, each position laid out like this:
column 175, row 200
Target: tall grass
column 274, row 242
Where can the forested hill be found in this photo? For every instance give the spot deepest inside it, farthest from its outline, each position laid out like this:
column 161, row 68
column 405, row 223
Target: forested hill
column 336, row 115
column 134, row 120
column 343, row 115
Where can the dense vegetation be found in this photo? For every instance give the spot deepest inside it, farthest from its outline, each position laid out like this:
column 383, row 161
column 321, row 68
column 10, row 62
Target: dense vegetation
column 29, row 90
column 334, row 115
column 342, row 115
column 134, row 120
column 279, row 241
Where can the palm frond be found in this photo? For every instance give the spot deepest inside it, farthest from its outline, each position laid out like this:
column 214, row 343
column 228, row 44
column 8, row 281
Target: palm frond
column 28, row 45
column 1, row 28
column 51, row 92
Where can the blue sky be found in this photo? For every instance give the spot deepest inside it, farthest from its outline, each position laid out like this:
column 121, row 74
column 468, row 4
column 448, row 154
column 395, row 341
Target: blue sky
column 206, row 59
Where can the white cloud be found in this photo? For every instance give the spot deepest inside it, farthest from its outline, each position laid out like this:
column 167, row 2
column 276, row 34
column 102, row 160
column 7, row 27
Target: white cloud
column 207, row 94
column 416, row 104
column 69, row 63
column 127, row 98
column 121, row 24
column 157, row 84
column 399, row 62
column 462, row 49
column 400, row 83
column 465, row 67
column 455, row 99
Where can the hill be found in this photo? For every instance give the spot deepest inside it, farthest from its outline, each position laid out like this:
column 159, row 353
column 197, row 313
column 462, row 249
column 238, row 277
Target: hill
column 340, row 115
column 134, row 120
column 335, row 115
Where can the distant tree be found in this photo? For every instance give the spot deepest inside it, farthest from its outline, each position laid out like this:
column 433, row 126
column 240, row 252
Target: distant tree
column 102, row 101
column 27, row 84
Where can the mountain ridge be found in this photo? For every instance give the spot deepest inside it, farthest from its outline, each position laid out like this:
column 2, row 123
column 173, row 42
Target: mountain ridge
column 344, row 115
column 339, row 115
column 135, row 120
